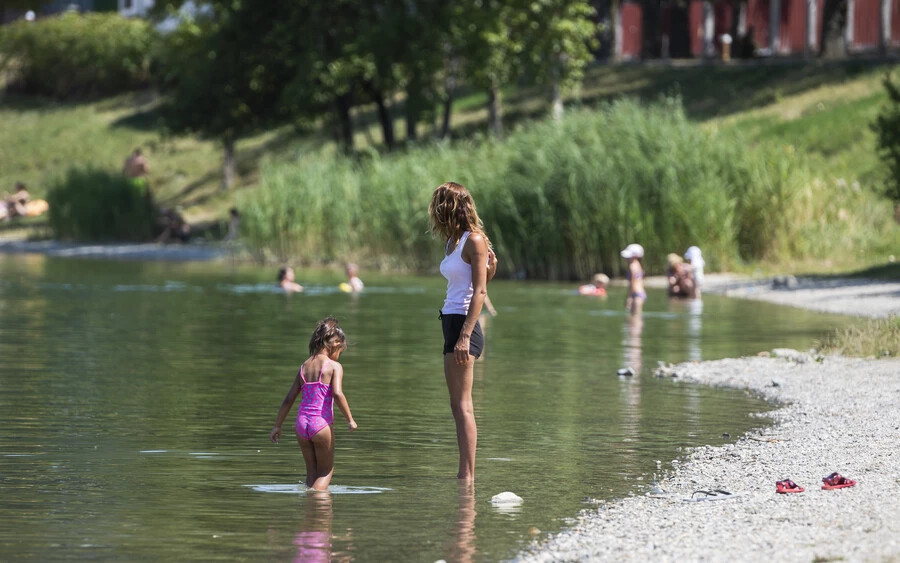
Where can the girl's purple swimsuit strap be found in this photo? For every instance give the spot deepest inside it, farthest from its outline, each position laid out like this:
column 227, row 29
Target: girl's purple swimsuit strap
column 316, row 409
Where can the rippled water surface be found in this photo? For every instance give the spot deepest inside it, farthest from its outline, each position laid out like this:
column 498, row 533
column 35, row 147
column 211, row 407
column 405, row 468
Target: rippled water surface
column 136, row 400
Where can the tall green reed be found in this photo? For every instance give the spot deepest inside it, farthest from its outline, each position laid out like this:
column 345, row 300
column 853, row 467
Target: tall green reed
column 560, row 199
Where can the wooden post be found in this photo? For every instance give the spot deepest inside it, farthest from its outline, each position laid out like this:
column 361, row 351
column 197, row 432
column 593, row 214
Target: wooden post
column 848, row 31
column 774, row 23
column 618, row 39
column 709, row 31
column 812, row 31
column 884, row 35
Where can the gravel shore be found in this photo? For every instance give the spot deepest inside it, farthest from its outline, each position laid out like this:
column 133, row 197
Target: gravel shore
column 846, row 296
column 840, row 414
column 120, row 251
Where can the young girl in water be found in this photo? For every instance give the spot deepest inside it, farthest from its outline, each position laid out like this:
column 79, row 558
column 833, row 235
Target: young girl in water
column 634, row 301
column 320, row 381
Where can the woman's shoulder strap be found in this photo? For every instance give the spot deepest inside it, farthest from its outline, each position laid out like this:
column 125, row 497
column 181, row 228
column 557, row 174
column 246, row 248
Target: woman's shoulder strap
column 303, row 379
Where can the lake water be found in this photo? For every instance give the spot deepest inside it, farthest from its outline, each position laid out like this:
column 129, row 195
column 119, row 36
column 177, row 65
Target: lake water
column 136, row 400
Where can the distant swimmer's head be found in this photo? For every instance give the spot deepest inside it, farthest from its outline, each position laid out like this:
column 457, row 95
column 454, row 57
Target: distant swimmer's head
column 452, row 212
column 674, row 260
column 285, row 274
column 352, row 270
column 328, row 338
column 600, row 280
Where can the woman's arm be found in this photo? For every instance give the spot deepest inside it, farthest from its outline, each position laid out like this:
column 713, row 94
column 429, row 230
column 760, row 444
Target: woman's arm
column 475, row 253
column 338, row 391
column 286, row 405
column 491, row 265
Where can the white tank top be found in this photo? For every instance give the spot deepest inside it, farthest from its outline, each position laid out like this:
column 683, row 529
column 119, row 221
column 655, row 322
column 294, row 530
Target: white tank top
column 459, row 280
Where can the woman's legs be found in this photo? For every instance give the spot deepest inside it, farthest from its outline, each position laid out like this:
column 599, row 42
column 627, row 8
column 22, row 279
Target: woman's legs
column 309, row 458
column 323, row 442
column 459, row 383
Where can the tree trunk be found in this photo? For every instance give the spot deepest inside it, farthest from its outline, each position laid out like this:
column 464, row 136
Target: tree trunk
column 345, row 122
column 412, row 115
column 229, row 165
column 495, row 118
column 557, row 111
column 384, row 115
column 448, row 110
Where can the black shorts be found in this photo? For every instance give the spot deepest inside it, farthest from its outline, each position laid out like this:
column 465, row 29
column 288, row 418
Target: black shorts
column 452, row 325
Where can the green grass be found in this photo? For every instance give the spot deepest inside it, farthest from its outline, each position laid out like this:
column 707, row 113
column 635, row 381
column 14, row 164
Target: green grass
column 878, row 338
column 818, row 112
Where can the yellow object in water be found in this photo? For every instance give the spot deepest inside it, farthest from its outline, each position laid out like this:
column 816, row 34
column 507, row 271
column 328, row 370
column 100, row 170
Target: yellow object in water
column 345, row 287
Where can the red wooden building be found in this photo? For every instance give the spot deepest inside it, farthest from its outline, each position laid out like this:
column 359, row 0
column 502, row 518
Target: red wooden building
column 695, row 28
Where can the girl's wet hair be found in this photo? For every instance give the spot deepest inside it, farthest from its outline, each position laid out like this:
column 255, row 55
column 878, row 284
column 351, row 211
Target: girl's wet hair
column 282, row 272
column 328, row 336
column 452, row 212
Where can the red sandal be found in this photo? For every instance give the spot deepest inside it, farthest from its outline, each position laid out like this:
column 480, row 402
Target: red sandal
column 788, row 486
column 836, row 481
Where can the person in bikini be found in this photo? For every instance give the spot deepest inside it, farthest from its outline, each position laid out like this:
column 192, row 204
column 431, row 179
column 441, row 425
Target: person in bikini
column 634, row 300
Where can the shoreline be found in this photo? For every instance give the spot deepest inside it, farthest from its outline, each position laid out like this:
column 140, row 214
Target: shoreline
column 838, row 414
column 121, row 251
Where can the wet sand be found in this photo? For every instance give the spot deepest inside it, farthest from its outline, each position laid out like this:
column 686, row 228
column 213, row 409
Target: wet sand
column 839, row 415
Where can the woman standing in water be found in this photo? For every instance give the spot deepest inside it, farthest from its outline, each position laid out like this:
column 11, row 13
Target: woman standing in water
column 468, row 264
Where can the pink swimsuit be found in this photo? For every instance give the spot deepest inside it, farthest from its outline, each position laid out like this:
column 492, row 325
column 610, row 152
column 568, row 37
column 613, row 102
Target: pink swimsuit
column 316, row 411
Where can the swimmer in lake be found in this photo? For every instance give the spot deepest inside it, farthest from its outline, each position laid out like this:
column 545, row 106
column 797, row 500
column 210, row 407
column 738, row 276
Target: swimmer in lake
column 286, row 280
column 597, row 287
column 320, row 381
column 355, row 284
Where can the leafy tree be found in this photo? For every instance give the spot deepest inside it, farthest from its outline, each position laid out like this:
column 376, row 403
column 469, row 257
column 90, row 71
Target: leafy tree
column 222, row 78
column 558, row 44
column 887, row 128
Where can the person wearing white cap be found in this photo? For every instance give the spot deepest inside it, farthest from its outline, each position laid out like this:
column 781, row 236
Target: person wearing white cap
column 634, row 301
column 696, row 257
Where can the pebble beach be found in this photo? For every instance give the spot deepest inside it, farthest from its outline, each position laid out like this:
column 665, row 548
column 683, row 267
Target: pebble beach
column 835, row 414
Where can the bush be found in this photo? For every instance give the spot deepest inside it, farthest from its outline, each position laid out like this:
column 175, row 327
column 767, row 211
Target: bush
column 887, row 127
column 95, row 205
column 561, row 199
column 76, row 56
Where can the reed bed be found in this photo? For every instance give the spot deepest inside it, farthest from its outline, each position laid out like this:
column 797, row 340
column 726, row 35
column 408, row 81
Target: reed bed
column 560, row 199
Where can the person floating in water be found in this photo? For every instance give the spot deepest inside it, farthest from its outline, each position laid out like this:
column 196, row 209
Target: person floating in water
column 286, row 280
column 353, row 283
column 597, row 287
column 320, row 381
column 634, row 301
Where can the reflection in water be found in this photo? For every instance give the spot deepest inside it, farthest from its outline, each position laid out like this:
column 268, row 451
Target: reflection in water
column 313, row 541
column 462, row 546
column 631, row 343
column 631, row 416
column 695, row 326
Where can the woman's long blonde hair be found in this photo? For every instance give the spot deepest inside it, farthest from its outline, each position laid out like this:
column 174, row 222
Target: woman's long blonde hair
column 452, row 212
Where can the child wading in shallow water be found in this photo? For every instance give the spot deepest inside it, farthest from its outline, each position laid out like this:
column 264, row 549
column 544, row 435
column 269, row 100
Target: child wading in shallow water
column 634, row 301
column 320, row 381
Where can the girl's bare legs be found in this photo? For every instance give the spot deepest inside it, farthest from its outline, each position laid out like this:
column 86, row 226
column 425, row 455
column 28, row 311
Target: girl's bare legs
column 323, row 442
column 459, row 383
column 309, row 458
column 637, row 305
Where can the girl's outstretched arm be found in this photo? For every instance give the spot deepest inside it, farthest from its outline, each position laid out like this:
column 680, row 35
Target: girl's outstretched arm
column 337, row 390
column 286, row 405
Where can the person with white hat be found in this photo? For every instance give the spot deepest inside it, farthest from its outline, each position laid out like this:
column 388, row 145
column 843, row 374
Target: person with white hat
column 696, row 257
column 634, row 301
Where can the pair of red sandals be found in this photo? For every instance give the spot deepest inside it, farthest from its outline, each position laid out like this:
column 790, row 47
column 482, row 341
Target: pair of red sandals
column 833, row 481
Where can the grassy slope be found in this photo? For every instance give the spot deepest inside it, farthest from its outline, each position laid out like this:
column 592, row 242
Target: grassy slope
column 822, row 109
